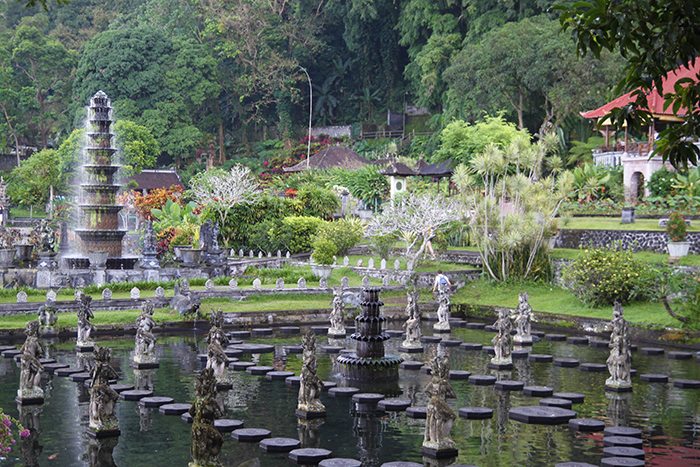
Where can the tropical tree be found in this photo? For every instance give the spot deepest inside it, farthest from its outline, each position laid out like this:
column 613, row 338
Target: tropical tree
column 139, row 149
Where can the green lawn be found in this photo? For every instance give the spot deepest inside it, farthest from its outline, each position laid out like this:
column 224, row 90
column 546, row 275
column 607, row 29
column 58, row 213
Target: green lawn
column 552, row 299
column 645, row 256
column 613, row 223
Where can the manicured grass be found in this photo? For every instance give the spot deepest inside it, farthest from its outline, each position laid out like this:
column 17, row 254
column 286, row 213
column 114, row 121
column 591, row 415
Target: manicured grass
column 613, row 223
column 36, row 212
column 70, row 320
column 423, row 266
column 645, row 256
column 552, row 299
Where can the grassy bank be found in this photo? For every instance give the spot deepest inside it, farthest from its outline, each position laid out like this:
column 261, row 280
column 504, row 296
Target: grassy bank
column 613, row 223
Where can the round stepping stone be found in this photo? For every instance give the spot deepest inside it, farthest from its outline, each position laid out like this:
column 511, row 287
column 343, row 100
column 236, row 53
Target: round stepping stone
column 251, row 435
column 239, row 334
column 598, row 343
column 319, row 329
column 488, row 349
column 227, row 425
column 80, row 377
column 261, row 331
column 7, row 347
column 538, row 391
column 11, row 353
column 174, row 409
column 459, row 374
column 654, row 378
column 367, row 397
column 394, row 332
column 509, row 385
column 623, row 431
column 541, row 415
column 241, row 366
column 328, row 385
column 451, row 342
column 471, row 346
column 676, row 355
column 343, row 392
column 555, row 402
column 305, row 456
column 476, row 413
column 293, row 381
column 417, row 412
column 279, row 444
column 621, row 462
column 539, row 334
column 332, row 349
column 47, row 361
column 430, row 339
column 340, row 462
column 623, row 451
column 50, row 368
column 203, row 357
column 155, row 401
column 258, row 370
column 475, row 325
column 68, row 371
column 255, row 348
column 687, row 383
column 401, row 464
column 574, row 464
column 411, row 365
column 293, row 349
column 574, row 397
column 289, row 329
column 490, row 328
column 651, row 351
column 566, row 362
column 555, row 337
column 628, row 441
column 135, row 394
column 519, row 354
column 278, row 375
column 593, row 367
column 119, row 388
column 186, row 417
column 577, row 340
column 233, row 352
column 395, row 405
column 586, row 425
column 482, row 380
column 539, row 358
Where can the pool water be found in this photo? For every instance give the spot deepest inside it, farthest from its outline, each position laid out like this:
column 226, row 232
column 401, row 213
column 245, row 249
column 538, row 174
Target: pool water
column 667, row 415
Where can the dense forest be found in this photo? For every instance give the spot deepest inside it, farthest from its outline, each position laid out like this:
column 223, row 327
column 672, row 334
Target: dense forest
column 201, row 74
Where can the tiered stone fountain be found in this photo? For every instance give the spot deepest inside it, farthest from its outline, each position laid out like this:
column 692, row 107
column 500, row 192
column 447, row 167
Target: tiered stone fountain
column 368, row 367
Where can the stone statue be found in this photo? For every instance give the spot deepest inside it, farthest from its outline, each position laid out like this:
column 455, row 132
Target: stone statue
column 206, row 440
column 310, row 387
column 103, row 399
column 440, row 417
column 85, row 327
column 149, row 254
column 30, row 373
column 216, row 341
column 47, row 237
column 412, row 324
column 522, row 317
column 183, row 302
column 502, row 341
column 47, row 317
column 443, row 311
column 145, row 341
column 337, row 327
column 620, row 359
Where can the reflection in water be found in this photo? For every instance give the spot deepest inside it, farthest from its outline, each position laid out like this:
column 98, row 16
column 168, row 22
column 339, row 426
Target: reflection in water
column 145, row 418
column 143, row 379
column 29, row 418
column 309, row 432
column 100, row 452
column 619, row 407
column 368, row 429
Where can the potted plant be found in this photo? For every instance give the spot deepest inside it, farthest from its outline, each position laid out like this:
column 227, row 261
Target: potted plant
column 191, row 256
column 324, row 251
column 677, row 233
column 7, row 249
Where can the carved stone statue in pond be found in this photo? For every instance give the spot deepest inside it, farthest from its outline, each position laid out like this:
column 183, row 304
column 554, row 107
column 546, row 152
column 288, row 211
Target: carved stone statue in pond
column 47, row 237
column 412, row 325
column 443, row 311
column 522, row 319
column 502, row 342
column 437, row 442
column 145, row 341
column 85, row 327
column 310, row 387
column 216, row 341
column 183, row 302
column 47, row 317
column 620, row 359
column 103, row 399
column 29, row 391
column 337, row 328
column 206, row 440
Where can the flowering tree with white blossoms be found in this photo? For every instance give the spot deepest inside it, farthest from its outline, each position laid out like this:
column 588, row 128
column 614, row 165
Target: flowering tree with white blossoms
column 219, row 191
column 415, row 219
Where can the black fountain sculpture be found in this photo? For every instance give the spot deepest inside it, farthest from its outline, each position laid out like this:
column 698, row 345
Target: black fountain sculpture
column 368, row 367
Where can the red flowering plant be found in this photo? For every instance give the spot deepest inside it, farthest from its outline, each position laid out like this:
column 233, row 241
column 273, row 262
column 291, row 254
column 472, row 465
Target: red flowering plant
column 8, row 426
column 290, row 193
column 156, row 199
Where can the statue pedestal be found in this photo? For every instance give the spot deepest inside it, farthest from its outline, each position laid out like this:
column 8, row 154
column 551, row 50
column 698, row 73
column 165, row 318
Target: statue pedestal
column 443, row 326
column 45, row 266
column 99, row 277
column 618, row 386
column 410, row 348
column 85, row 346
column 144, row 365
column 522, row 340
column 439, row 453
column 33, row 396
column 309, row 415
column 501, row 364
column 336, row 332
column 106, row 433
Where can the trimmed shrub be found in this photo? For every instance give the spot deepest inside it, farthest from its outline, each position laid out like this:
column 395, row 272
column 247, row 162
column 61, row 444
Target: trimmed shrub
column 324, row 251
column 676, row 228
column 297, row 233
column 345, row 233
column 315, row 201
column 661, row 182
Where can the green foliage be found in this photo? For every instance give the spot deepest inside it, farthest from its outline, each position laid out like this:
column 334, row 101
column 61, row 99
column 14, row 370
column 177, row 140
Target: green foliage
column 381, row 245
column 344, row 233
column 29, row 182
column 174, row 216
column 316, row 201
column 581, row 152
column 324, row 249
column 139, row 149
column 594, row 182
column 688, row 184
column 661, row 183
column 365, row 184
column 676, row 228
column 297, row 233
column 460, row 141
column 602, row 276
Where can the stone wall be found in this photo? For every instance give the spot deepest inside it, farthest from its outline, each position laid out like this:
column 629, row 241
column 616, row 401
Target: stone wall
column 636, row 240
